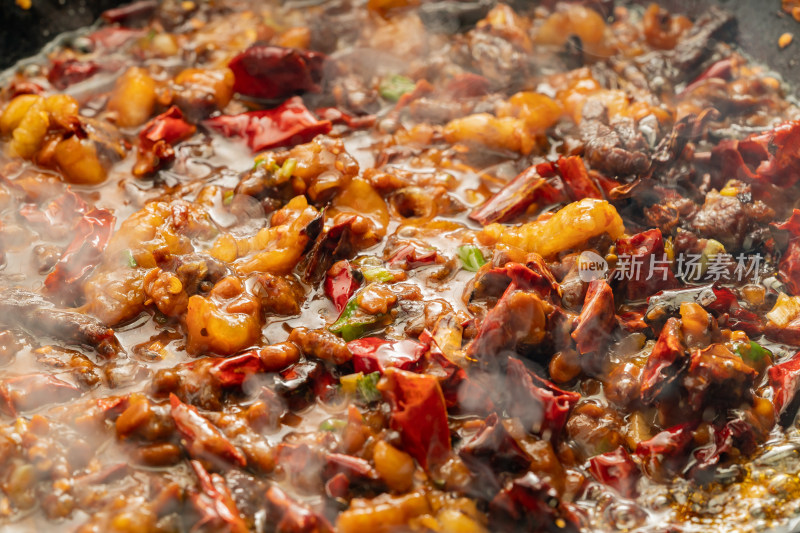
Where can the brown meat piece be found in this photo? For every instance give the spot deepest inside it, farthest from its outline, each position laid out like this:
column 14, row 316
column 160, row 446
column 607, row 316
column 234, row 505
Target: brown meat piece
column 594, row 429
column 31, row 311
column 716, row 375
column 696, row 46
column 721, row 218
column 616, row 148
column 322, row 344
column 85, row 372
column 279, row 295
column 440, row 110
column 495, row 58
column 145, row 421
column 728, row 219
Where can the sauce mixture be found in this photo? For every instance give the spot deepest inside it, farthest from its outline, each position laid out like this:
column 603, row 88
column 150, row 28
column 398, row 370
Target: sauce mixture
column 453, row 266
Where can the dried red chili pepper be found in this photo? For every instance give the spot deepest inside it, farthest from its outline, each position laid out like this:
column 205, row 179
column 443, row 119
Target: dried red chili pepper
column 271, row 72
column 726, row 303
column 513, row 199
column 772, row 156
column 532, row 276
column 288, row 515
column 784, row 378
column 418, row 413
column 616, row 469
column 60, row 213
column 529, row 504
column 80, row 257
column 341, row 284
column 24, row 87
column 576, row 179
column 666, row 453
column 653, row 274
column 493, row 450
column 157, row 139
column 372, row 354
column 130, row 12
column 24, row 393
column 462, row 392
column 338, row 486
column 337, row 116
column 355, row 468
column 66, row 72
column 733, row 434
column 232, row 372
column 542, row 407
column 410, row 256
column 665, row 360
column 202, row 439
column 789, row 266
column 722, row 69
column 286, row 125
column 631, row 318
column 338, row 241
column 304, row 382
column 215, row 504
column 597, row 318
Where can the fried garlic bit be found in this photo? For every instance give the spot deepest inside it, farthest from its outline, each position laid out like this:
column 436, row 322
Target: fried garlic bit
column 568, row 228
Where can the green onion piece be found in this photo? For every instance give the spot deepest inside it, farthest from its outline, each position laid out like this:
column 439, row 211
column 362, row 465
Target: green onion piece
column 287, row 169
column 377, row 274
column 471, row 257
column 367, row 387
column 227, row 198
column 393, row 87
column 262, row 160
column 332, row 424
column 753, row 352
column 129, row 259
column 758, row 352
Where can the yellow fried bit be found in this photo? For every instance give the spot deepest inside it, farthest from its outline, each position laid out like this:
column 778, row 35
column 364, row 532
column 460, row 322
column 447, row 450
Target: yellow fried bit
column 275, row 249
column 225, row 321
column 539, row 111
column 133, row 98
column 29, row 131
column 566, row 229
column 504, row 133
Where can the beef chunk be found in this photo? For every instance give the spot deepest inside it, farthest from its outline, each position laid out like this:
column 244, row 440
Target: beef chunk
column 616, row 148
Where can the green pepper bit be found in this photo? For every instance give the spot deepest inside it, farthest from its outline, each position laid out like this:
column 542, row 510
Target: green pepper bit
column 471, row 257
column 367, row 387
column 393, row 87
